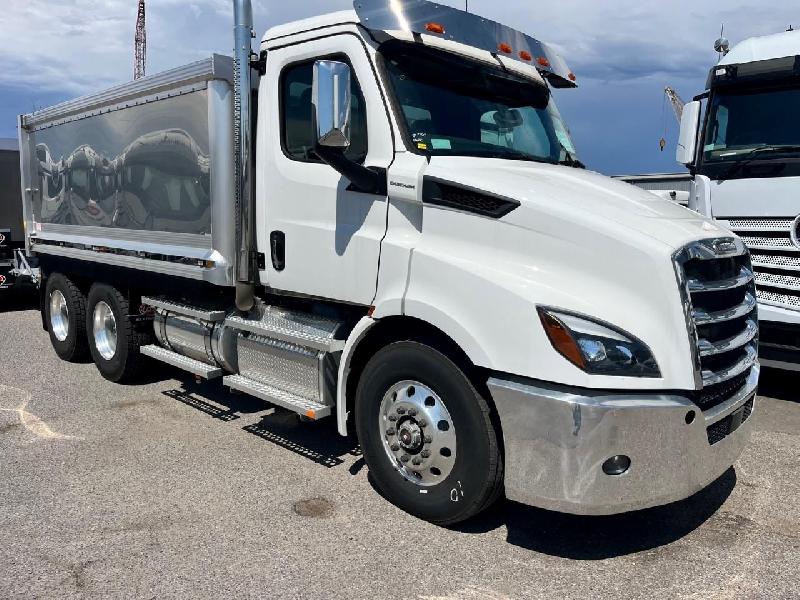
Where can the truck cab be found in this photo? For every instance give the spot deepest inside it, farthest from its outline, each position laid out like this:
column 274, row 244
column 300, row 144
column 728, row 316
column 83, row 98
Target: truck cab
column 411, row 245
column 744, row 150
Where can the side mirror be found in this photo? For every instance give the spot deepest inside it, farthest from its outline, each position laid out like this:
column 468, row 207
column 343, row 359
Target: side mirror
column 331, row 100
column 687, row 140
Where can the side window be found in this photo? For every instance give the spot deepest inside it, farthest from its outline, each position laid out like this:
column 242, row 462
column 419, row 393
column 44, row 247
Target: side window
column 297, row 129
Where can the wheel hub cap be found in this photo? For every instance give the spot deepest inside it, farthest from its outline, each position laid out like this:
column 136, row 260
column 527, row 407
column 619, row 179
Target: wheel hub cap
column 104, row 326
column 59, row 316
column 417, row 433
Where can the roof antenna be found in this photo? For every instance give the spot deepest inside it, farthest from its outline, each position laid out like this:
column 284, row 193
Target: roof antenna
column 790, row 28
column 466, row 5
column 722, row 46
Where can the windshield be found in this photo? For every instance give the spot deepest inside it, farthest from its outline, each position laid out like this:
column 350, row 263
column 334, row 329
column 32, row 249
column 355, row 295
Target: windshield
column 747, row 120
column 453, row 106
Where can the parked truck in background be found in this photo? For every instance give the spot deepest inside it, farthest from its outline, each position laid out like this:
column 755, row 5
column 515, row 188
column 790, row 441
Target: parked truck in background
column 393, row 229
column 14, row 268
column 744, row 153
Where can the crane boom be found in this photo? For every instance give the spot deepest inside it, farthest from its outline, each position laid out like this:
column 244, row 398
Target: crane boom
column 140, row 42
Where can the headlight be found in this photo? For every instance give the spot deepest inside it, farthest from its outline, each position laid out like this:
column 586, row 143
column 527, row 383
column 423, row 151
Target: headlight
column 597, row 348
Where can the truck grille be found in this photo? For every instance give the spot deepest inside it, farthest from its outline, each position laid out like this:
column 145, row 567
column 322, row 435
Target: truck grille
column 717, row 283
column 775, row 258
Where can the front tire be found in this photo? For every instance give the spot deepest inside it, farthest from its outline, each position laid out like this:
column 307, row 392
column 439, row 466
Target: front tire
column 426, row 433
column 113, row 341
column 65, row 315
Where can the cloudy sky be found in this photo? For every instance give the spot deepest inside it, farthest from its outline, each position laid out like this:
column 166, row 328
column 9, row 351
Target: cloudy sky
column 623, row 51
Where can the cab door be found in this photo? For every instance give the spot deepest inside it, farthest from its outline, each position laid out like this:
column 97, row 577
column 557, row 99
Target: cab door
column 323, row 237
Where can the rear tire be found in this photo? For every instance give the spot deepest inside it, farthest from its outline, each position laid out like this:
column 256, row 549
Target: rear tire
column 113, row 340
column 65, row 315
column 426, row 433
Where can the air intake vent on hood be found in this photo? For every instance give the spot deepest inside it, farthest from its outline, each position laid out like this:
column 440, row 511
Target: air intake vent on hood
column 459, row 197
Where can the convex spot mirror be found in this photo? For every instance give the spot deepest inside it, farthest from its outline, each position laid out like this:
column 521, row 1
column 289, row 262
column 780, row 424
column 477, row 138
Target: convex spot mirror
column 331, row 100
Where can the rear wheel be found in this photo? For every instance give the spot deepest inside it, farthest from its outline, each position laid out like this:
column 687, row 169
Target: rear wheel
column 113, row 340
column 65, row 314
column 426, row 434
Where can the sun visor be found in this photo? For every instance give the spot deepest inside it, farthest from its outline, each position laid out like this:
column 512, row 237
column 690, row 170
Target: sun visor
column 423, row 17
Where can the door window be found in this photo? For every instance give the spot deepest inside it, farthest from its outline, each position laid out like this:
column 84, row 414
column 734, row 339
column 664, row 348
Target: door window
column 297, row 126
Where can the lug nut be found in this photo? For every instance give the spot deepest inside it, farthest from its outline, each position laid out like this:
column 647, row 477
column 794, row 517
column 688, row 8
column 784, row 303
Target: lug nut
column 395, row 447
column 412, row 411
column 390, row 431
column 422, row 423
column 393, row 418
column 428, row 439
column 417, row 461
column 425, row 453
column 401, row 410
column 405, row 458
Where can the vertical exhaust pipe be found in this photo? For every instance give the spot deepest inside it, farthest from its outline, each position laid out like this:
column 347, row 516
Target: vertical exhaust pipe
column 245, row 267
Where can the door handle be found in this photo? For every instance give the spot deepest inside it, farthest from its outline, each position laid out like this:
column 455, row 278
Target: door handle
column 277, row 244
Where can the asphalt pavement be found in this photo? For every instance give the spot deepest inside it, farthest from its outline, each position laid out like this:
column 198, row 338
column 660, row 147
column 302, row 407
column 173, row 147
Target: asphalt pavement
column 170, row 489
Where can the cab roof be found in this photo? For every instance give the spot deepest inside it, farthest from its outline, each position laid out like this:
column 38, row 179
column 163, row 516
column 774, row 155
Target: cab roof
column 327, row 20
column 765, row 47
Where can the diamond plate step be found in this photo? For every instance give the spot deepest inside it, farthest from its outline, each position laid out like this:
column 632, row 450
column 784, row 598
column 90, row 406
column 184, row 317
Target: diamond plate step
column 182, row 362
column 298, row 404
column 317, row 333
column 214, row 316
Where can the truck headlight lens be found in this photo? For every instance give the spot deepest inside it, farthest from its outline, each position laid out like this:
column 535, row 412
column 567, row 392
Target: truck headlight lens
column 597, row 348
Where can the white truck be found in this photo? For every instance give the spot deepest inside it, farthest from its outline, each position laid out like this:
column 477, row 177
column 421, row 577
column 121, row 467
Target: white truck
column 380, row 217
column 744, row 153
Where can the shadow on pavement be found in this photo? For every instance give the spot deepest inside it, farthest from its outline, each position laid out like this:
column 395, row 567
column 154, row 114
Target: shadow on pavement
column 596, row 538
column 780, row 384
column 18, row 300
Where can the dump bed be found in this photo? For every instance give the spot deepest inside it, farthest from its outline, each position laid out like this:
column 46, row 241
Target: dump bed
column 139, row 176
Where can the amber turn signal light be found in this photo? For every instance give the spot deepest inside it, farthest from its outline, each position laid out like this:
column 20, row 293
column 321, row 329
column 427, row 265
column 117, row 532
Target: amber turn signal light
column 435, row 28
column 562, row 340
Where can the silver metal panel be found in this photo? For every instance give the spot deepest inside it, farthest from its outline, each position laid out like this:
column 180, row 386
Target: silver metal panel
column 184, row 309
column 129, row 262
column 215, row 67
column 182, row 362
column 280, row 364
column 312, row 410
column 462, row 27
column 145, row 168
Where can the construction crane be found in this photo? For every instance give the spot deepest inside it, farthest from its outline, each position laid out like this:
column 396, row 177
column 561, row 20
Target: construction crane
column 677, row 104
column 140, row 42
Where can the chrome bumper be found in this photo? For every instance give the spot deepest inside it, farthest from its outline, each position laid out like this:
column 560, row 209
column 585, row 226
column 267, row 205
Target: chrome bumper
column 557, row 439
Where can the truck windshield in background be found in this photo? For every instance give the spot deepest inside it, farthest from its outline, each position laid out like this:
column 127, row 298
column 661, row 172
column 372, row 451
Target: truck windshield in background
column 752, row 124
column 458, row 107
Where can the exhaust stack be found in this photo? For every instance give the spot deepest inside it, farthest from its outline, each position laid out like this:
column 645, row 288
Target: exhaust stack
column 242, row 138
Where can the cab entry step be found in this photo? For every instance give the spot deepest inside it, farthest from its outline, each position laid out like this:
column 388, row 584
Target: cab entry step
column 200, row 369
column 302, row 406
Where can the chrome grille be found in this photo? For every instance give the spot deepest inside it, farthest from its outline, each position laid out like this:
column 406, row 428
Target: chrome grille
column 775, row 258
column 717, row 283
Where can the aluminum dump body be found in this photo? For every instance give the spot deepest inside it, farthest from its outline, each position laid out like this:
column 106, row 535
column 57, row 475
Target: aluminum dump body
column 139, row 176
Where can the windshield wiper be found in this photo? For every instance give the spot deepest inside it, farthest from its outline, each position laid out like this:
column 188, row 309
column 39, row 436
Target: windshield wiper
column 569, row 160
column 509, row 154
column 748, row 156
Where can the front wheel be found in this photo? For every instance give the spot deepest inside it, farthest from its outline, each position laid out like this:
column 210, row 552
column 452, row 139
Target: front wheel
column 426, row 433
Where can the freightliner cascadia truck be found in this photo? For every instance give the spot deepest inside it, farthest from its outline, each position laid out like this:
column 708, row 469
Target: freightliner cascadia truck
column 744, row 153
column 380, row 217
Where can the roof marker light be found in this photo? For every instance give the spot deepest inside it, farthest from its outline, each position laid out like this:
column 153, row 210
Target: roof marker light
column 543, row 61
column 505, row 48
column 435, row 28
column 525, row 55
column 572, row 77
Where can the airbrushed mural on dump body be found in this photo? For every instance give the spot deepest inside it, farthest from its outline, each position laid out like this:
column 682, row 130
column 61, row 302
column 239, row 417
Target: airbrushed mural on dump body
column 410, row 245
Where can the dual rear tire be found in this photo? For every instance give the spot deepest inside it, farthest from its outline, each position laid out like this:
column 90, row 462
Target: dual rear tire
column 96, row 325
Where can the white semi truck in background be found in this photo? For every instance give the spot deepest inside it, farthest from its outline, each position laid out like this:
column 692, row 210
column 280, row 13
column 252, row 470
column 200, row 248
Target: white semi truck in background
column 380, row 217
column 744, row 153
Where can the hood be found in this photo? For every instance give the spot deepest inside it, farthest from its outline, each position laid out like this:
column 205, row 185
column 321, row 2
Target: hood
column 584, row 199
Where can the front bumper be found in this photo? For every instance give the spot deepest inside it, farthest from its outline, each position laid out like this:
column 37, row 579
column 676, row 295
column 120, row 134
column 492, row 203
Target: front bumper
column 557, row 439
